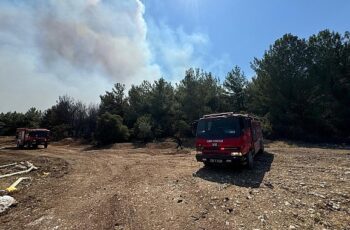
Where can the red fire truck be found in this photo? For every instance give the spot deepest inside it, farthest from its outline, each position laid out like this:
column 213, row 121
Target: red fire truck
column 32, row 137
column 228, row 138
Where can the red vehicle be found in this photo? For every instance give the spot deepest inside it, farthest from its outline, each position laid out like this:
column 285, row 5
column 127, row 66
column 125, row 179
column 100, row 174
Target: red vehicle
column 32, row 137
column 228, row 138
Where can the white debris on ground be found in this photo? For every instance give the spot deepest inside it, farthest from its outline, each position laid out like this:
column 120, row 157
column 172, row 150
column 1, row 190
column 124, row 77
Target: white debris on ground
column 6, row 202
column 12, row 169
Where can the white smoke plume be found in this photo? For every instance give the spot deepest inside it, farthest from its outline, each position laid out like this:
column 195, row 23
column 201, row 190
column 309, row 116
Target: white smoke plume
column 80, row 48
column 50, row 48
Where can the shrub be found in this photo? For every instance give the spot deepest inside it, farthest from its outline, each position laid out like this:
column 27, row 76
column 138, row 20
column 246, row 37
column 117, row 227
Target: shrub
column 110, row 129
column 143, row 128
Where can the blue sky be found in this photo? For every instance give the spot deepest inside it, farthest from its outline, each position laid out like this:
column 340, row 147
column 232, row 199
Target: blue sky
column 239, row 30
column 80, row 48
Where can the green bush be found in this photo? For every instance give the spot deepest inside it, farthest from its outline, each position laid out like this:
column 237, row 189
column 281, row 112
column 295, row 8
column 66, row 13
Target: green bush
column 143, row 128
column 110, row 129
column 60, row 131
column 182, row 128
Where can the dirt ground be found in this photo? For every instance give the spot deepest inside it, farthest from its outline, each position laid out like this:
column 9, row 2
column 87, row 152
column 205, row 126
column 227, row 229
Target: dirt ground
column 128, row 186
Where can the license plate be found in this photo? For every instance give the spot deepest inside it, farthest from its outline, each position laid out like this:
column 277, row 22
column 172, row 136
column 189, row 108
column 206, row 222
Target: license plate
column 214, row 144
column 215, row 161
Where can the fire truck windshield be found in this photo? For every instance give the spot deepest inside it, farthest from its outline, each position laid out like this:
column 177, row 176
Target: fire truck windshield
column 38, row 133
column 213, row 128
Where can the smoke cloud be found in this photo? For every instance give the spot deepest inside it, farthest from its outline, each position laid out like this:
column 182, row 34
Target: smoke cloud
column 81, row 48
column 96, row 36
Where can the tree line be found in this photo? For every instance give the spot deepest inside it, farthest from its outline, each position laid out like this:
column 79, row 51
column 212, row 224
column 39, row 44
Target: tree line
column 301, row 90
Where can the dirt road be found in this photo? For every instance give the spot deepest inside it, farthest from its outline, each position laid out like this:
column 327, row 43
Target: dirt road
column 156, row 187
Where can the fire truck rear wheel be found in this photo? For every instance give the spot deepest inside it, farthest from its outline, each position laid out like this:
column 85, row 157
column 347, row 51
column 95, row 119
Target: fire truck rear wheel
column 250, row 160
column 261, row 150
column 208, row 164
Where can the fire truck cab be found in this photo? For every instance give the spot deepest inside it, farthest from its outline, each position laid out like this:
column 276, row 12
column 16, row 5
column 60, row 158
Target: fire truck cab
column 228, row 138
column 32, row 137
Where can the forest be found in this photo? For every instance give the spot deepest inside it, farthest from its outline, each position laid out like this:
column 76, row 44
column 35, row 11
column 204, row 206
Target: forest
column 300, row 91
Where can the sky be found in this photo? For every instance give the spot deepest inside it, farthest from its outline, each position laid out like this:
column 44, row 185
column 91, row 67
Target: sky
column 80, row 48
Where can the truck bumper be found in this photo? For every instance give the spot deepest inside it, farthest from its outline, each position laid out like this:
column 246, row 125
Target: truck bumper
column 220, row 158
column 38, row 142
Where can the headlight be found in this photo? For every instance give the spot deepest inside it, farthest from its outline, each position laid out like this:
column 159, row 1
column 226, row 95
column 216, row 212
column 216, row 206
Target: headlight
column 199, row 149
column 239, row 154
